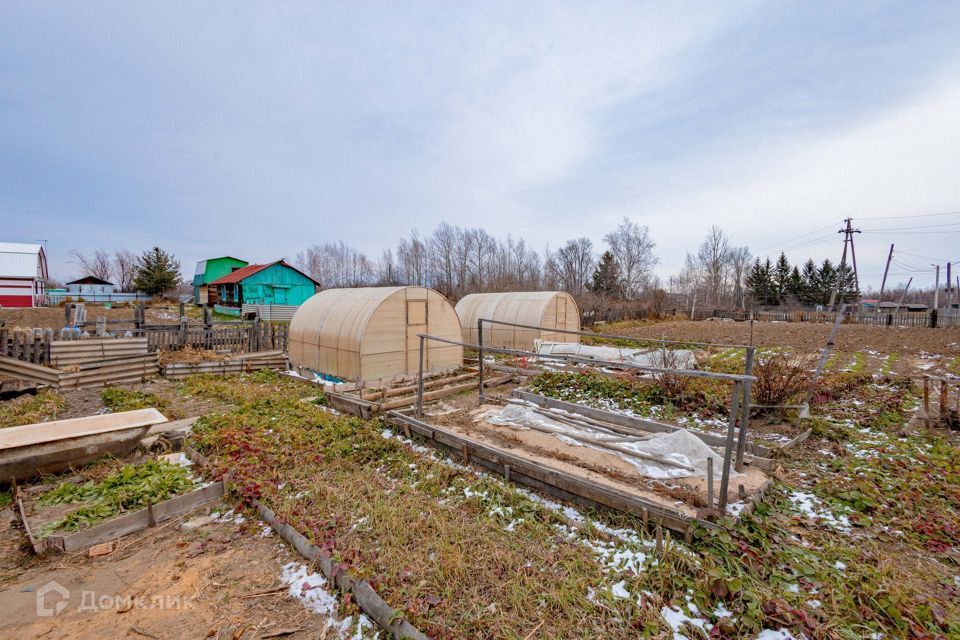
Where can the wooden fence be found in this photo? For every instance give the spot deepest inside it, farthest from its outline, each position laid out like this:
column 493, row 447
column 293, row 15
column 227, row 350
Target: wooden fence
column 34, row 345
column 932, row 319
column 237, row 338
column 30, row 345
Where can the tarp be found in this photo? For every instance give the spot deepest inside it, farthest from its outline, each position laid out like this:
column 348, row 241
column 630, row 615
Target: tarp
column 678, row 446
column 667, row 359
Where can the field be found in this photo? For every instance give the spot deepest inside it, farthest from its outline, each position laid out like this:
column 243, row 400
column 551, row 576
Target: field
column 53, row 317
column 902, row 350
column 857, row 537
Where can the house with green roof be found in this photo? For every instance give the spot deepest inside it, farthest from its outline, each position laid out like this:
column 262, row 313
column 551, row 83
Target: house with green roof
column 209, row 270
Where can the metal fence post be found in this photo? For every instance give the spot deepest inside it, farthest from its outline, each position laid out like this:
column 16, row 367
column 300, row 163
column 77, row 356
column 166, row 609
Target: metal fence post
column 420, row 382
column 480, row 357
column 728, row 448
column 745, row 418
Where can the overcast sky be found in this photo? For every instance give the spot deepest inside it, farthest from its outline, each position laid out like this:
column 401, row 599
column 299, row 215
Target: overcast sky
column 257, row 129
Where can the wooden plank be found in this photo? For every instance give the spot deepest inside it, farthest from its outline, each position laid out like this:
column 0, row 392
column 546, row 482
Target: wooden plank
column 37, row 546
column 588, row 491
column 139, row 520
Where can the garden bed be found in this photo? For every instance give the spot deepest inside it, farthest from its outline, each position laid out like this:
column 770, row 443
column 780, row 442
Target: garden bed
column 106, row 501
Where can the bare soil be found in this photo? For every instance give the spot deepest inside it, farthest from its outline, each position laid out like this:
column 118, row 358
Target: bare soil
column 86, row 402
column 685, row 495
column 204, row 580
column 53, row 317
column 917, row 349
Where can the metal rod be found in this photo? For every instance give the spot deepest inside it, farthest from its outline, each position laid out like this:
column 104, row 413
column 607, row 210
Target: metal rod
column 623, row 365
column 745, row 418
column 728, row 447
column 480, row 357
column 612, row 337
column 420, row 380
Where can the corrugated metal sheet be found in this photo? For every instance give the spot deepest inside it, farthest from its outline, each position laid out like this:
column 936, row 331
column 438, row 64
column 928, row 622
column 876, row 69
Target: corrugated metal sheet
column 243, row 272
column 272, row 312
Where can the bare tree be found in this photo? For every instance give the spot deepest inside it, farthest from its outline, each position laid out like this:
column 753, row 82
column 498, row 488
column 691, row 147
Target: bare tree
column 574, row 264
column 387, row 270
column 740, row 258
column 714, row 257
column 124, row 262
column 413, row 259
column 98, row 264
column 632, row 247
column 336, row 264
column 443, row 264
column 483, row 248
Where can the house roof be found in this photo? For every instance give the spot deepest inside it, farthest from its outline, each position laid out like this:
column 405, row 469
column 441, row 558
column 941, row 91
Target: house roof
column 202, row 264
column 90, row 280
column 19, row 260
column 245, row 272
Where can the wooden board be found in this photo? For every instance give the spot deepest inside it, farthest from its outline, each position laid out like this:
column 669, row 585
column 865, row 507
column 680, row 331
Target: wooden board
column 556, row 482
column 136, row 520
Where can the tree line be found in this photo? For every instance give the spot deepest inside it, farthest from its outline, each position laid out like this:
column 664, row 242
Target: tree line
column 457, row 261
column 153, row 272
column 810, row 285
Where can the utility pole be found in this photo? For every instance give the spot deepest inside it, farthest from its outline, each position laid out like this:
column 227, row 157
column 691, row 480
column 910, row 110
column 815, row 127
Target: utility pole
column 936, row 289
column 949, row 288
column 904, row 294
column 848, row 232
column 883, row 283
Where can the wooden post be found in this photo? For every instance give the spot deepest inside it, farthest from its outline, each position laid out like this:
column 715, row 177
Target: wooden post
column 480, row 357
column 710, row 501
column 728, row 447
column 745, row 418
column 183, row 331
column 66, row 313
column 420, row 381
column 926, row 401
column 944, row 390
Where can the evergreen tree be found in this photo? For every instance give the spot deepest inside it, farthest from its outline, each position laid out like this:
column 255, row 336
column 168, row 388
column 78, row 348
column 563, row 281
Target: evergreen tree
column 781, row 277
column 760, row 282
column 826, row 282
column 846, row 285
column 156, row 271
column 606, row 277
column 795, row 285
column 809, row 277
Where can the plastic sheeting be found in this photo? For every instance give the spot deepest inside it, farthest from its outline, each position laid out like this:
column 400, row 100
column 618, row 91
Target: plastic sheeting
column 678, row 446
column 669, row 359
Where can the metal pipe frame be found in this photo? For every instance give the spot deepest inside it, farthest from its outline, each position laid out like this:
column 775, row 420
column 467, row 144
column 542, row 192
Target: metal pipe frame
column 609, row 336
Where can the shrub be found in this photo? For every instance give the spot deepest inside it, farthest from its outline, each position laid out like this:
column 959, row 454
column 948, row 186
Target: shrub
column 779, row 379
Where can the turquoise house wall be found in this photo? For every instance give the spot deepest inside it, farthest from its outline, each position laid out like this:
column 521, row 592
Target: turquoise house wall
column 277, row 284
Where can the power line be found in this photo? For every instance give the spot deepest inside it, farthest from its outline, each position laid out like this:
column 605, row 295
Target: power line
column 921, row 226
column 789, row 242
column 917, row 215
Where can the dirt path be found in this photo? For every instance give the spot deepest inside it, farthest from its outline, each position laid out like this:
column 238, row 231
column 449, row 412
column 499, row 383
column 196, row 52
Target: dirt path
column 188, row 584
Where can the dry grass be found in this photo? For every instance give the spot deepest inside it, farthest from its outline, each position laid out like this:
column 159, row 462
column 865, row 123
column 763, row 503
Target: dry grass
column 462, row 557
column 28, row 409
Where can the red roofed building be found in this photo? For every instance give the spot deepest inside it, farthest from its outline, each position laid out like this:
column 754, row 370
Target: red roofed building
column 276, row 283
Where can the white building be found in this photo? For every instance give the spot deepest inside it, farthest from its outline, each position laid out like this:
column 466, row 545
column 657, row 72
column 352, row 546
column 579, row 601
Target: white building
column 23, row 275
